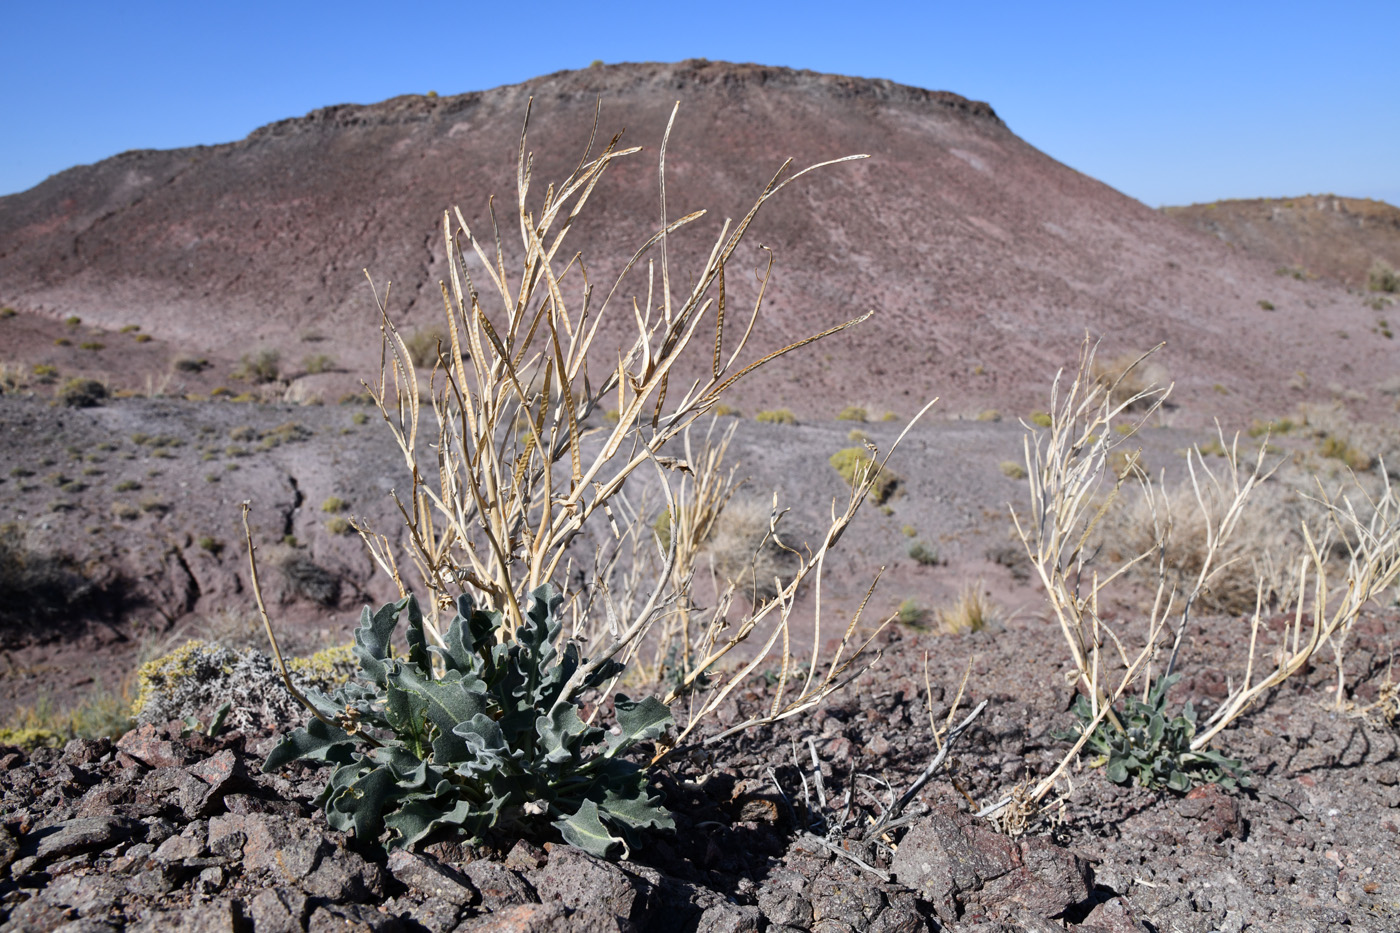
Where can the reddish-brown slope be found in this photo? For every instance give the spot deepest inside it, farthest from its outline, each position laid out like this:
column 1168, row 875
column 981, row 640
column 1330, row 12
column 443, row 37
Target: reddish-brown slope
column 986, row 259
column 1313, row 235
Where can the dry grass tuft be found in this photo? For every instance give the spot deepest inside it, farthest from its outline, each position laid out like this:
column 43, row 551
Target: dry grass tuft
column 971, row 611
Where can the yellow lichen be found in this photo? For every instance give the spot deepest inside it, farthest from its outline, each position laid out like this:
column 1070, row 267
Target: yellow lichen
column 159, row 675
column 30, row 739
column 327, row 668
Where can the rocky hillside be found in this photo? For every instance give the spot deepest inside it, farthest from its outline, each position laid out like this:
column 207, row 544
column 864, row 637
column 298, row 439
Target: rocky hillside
column 986, row 259
column 1315, row 235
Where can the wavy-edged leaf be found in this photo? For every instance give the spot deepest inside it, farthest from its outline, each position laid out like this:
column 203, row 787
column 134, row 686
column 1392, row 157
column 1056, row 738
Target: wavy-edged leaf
column 373, row 635
column 318, row 741
column 416, row 820
column 358, row 805
column 464, row 637
column 637, row 811
column 638, row 721
column 407, row 714
column 417, row 641
column 560, row 732
column 584, row 830
column 486, row 746
column 445, row 703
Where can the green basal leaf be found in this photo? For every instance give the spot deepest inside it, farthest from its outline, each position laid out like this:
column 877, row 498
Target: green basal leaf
column 416, row 820
column 317, row 740
column 627, row 804
column 417, row 641
column 1117, row 771
column 559, row 733
column 584, row 830
column 372, row 637
column 361, row 803
column 638, row 721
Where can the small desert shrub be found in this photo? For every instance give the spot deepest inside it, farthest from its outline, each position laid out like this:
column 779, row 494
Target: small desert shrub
column 1041, row 419
column 852, row 413
column 153, row 506
column 7, row 312
column 45, row 373
column 143, row 338
column 334, row 504
column 1142, row 744
column 857, row 436
column 1339, row 448
column 776, row 416
column 910, row 531
column 318, row 363
column 910, row 612
column 854, row 462
column 972, row 611
column 72, row 320
column 261, row 367
column 1382, row 277
column 1265, row 304
column 1212, row 448
column 989, row 414
column 127, row 485
column 338, row 526
column 62, row 342
column 727, row 411
column 923, row 554
column 1012, row 469
column 359, row 417
column 742, row 548
column 186, row 364
column 1125, row 378
column 1265, row 530
column 212, row 545
column 82, row 393
column 102, row 714
column 129, row 328
column 423, row 346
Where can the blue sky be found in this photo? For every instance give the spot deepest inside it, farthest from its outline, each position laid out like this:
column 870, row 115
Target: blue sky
column 1170, row 103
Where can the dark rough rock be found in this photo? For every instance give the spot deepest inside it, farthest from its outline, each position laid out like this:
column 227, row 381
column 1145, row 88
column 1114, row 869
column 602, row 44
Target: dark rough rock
column 433, row 879
column 217, row 917
column 148, row 746
column 279, row 910
column 845, row 898
column 599, row 894
column 84, row 834
column 952, row 863
column 526, row 918
column 1217, row 812
column 498, row 885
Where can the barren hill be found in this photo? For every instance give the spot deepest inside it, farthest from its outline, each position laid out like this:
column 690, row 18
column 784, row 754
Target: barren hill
column 1317, row 234
column 986, row 259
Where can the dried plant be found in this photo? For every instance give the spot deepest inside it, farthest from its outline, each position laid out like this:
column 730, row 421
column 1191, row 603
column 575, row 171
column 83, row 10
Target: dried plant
column 1073, row 489
column 516, row 474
